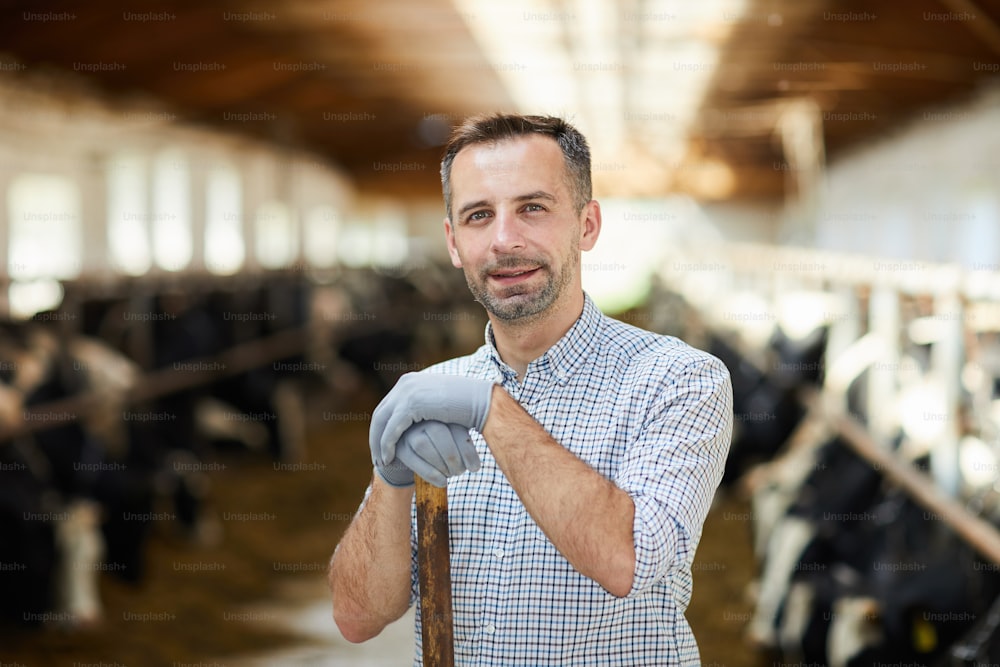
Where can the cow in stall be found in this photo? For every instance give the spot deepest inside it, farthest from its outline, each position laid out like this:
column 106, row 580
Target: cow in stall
column 52, row 550
column 377, row 332
column 451, row 324
column 262, row 409
column 289, row 299
column 772, row 351
column 902, row 586
column 856, row 574
column 817, row 564
column 95, row 479
column 176, row 327
column 53, row 475
column 259, row 409
column 774, row 485
column 99, row 479
column 80, row 542
column 827, row 599
column 234, row 410
column 370, row 327
column 182, row 330
column 836, row 484
column 28, row 551
column 286, row 381
column 767, row 405
column 164, row 428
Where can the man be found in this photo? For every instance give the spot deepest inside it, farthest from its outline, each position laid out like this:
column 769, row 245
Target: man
column 581, row 454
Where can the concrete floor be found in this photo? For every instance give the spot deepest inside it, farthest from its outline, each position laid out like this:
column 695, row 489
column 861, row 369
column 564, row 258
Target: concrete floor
column 324, row 646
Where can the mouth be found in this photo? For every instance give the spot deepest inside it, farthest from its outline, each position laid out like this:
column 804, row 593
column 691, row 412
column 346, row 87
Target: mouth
column 513, row 276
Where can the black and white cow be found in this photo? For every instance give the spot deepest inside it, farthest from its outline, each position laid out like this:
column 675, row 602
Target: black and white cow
column 52, row 543
column 766, row 401
column 837, row 487
column 855, row 573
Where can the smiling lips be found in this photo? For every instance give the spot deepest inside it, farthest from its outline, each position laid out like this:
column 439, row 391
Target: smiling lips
column 511, row 276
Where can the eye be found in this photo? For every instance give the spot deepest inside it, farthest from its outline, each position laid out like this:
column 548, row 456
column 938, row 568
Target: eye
column 531, row 208
column 477, row 216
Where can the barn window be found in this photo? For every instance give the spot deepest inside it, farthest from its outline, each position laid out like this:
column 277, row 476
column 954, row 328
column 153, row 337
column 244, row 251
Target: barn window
column 275, row 235
column 171, row 215
column 389, row 243
column 128, row 214
column 44, row 214
column 322, row 236
column 224, row 248
column 355, row 247
column 44, row 243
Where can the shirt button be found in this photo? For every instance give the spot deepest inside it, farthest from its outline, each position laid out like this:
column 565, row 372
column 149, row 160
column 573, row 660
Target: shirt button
column 490, row 629
column 498, row 553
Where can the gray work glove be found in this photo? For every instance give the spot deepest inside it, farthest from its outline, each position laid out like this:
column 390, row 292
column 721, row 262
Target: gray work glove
column 433, row 450
column 417, row 397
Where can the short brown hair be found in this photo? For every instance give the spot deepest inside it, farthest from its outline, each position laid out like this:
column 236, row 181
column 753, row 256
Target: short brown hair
column 493, row 128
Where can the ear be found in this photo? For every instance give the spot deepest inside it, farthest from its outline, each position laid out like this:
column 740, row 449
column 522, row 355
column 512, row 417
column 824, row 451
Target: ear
column 591, row 225
column 449, row 237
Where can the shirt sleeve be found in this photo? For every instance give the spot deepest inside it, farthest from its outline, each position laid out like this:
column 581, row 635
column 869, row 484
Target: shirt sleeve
column 672, row 470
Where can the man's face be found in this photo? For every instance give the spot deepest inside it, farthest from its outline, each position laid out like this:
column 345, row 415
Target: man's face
column 515, row 231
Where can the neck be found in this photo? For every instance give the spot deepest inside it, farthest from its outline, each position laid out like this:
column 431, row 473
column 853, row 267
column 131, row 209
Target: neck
column 519, row 343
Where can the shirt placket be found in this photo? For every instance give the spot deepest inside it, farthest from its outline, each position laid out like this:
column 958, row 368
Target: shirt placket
column 492, row 623
column 496, row 632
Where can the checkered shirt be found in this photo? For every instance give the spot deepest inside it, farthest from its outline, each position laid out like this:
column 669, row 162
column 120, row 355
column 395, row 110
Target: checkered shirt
column 650, row 413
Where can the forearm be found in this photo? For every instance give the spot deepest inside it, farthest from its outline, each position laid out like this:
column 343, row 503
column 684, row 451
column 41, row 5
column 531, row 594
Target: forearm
column 369, row 573
column 586, row 516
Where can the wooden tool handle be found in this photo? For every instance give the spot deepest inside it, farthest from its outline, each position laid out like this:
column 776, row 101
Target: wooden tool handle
column 434, row 575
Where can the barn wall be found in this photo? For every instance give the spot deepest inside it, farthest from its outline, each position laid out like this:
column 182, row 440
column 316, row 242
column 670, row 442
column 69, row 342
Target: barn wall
column 930, row 192
column 753, row 222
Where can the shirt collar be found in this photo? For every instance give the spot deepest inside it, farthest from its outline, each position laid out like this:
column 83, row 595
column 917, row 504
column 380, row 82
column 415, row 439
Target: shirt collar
column 565, row 356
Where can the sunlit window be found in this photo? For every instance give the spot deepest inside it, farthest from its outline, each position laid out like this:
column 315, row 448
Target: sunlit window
column 171, row 215
column 355, row 247
column 44, row 242
column 322, row 236
column 389, row 245
column 45, row 235
column 275, row 235
column 224, row 249
column 128, row 214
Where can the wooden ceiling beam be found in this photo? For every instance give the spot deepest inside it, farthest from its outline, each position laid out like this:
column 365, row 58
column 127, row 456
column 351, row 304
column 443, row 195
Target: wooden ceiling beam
column 979, row 22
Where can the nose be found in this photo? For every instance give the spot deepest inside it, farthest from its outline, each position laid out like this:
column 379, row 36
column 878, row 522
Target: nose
column 508, row 232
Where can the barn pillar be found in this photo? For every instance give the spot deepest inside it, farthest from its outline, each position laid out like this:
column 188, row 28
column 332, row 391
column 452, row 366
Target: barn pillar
column 94, row 255
column 946, row 366
column 199, row 212
column 254, row 191
column 884, row 321
column 844, row 330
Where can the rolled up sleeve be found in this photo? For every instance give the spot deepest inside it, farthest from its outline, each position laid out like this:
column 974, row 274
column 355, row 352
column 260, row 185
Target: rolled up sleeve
column 673, row 469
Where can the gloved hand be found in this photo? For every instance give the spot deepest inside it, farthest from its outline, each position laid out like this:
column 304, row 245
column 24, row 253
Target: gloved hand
column 433, row 450
column 452, row 399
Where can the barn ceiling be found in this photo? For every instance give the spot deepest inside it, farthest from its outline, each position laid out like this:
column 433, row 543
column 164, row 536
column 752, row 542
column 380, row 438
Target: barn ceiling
column 703, row 98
